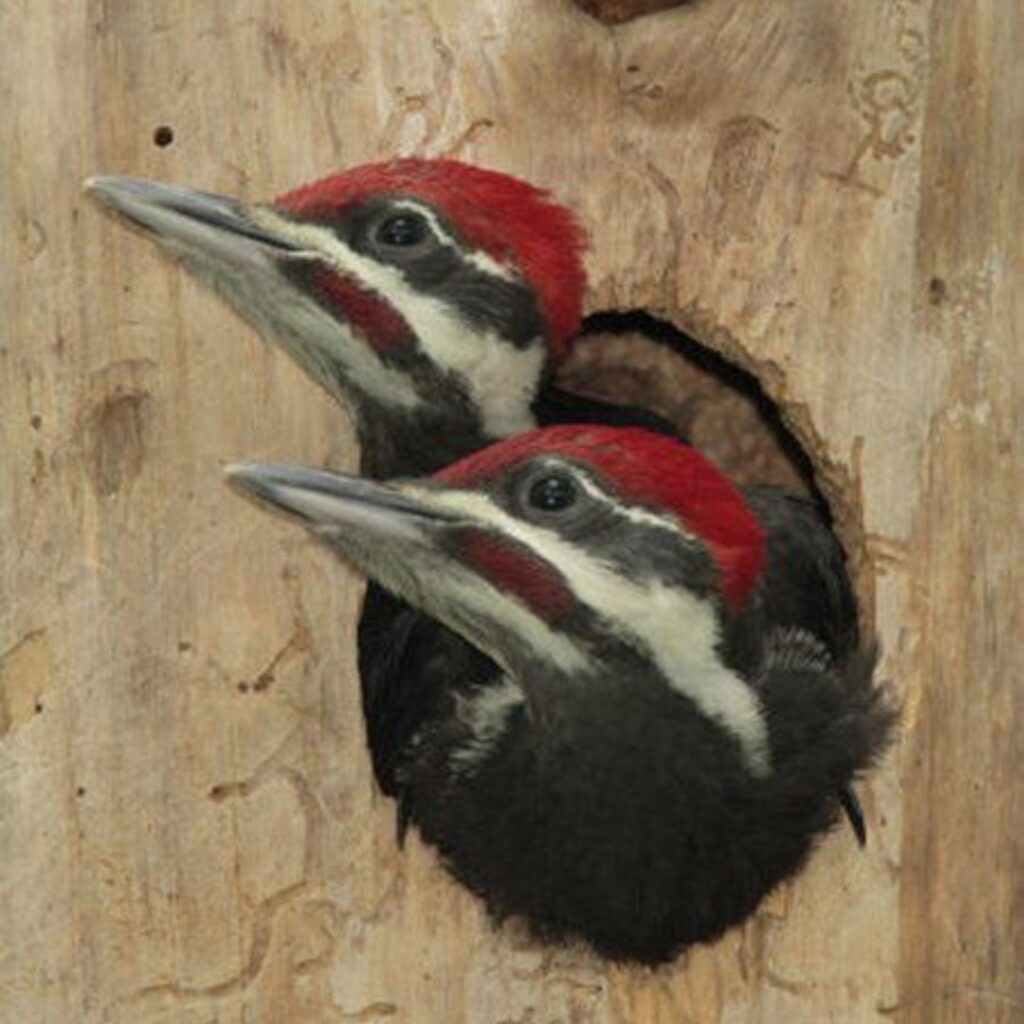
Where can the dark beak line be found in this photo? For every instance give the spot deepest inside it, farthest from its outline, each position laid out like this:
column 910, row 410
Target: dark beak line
column 277, row 483
column 127, row 195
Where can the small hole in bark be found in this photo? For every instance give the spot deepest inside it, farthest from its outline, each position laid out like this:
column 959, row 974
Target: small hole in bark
column 163, row 136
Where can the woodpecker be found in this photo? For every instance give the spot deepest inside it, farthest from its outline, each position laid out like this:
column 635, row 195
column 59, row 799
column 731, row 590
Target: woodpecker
column 434, row 298
column 431, row 297
column 655, row 755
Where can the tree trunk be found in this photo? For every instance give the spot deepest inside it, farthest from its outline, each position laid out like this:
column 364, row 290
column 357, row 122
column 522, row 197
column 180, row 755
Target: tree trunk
column 827, row 193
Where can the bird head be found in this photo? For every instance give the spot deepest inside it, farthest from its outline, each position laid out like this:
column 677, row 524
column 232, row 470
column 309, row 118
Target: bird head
column 621, row 780
column 430, row 294
column 558, row 553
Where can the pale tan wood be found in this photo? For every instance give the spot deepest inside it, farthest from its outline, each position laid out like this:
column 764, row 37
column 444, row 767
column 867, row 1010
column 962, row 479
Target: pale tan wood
column 830, row 193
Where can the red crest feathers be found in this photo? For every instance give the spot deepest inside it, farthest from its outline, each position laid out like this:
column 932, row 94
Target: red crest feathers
column 512, row 221
column 649, row 469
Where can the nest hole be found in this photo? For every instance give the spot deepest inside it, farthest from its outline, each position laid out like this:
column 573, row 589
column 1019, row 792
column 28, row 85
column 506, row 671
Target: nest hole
column 163, row 136
column 635, row 358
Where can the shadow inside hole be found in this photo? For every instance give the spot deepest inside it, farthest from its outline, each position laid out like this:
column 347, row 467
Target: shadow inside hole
column 163, row 136
column 634, row 358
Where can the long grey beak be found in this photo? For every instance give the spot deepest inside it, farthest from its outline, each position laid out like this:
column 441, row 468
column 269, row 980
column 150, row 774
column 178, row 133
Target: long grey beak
column 344, row 505
column 197, row 221
column 406, row 538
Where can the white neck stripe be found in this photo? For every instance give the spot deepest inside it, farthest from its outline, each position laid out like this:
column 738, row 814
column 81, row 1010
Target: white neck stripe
column 485, row 714
column 676, row 628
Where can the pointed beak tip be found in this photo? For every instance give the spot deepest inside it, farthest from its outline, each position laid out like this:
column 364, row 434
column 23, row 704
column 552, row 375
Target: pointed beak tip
column 97, row 186
column 194, row 222
column 106, row 182
column 261, row 483
column 243, row 475
column 108, row 189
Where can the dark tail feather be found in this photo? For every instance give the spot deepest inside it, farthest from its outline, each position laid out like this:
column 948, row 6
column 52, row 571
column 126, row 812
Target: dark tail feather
column 879, row 715
column 855, row 814
column 830, row 725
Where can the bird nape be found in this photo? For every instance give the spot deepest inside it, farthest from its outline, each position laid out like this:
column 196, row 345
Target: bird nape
column 656, row 754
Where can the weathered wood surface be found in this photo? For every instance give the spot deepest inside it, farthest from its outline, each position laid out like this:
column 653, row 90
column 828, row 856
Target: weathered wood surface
column 830, row 193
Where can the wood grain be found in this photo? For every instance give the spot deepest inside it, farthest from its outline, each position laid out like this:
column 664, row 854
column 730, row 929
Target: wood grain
column 829, row 194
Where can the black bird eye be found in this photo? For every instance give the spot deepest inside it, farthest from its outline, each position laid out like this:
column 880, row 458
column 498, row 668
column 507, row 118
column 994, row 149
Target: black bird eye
column 553, row 493
column 403, row 230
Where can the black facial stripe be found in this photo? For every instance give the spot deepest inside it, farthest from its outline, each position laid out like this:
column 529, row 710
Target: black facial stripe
column 605, row 530
column 443, row 270
column 508, row 308
column 643, row 552
column 668, row 557
column 443, row 397
column 426, row 268
column 441, row 429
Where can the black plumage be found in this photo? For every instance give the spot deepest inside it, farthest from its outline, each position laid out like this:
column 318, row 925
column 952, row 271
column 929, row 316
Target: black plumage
column 654, row 837
column 408, row 661
column 279, row 267
column 606, row 794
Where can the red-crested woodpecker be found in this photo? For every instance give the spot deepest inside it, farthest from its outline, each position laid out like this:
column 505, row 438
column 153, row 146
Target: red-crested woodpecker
column 434, row 298
column 655, row 754
column 430, row 296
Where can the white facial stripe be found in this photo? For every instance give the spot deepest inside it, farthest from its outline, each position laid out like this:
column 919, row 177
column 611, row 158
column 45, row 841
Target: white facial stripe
column 485, row 714
column 501, row 379
column 480, row 259
column 316, row 340
column 678, row 630
column 463, row 600
column 643, row 516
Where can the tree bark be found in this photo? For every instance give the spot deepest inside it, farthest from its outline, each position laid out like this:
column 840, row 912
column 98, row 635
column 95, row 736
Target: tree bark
column 829, row 194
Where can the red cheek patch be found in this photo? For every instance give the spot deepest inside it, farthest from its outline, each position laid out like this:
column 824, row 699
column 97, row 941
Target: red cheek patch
column 376, row 322
column 513, row 569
